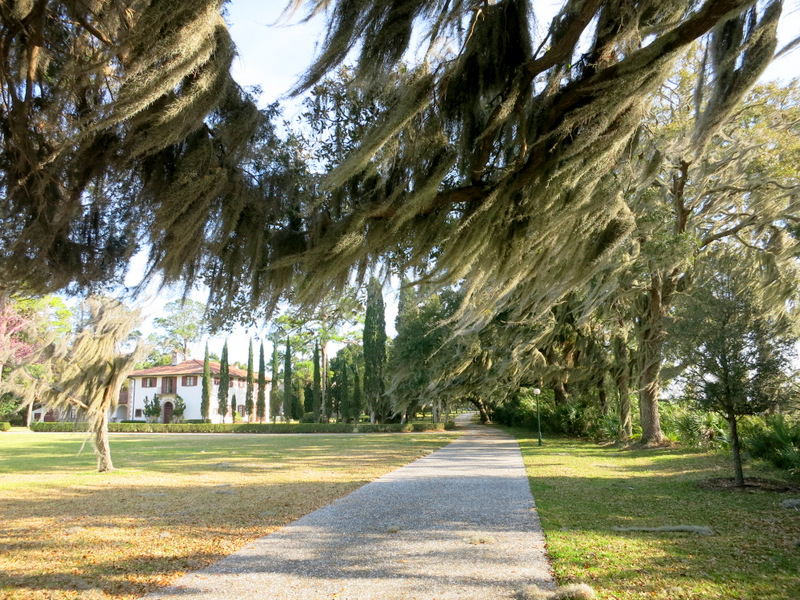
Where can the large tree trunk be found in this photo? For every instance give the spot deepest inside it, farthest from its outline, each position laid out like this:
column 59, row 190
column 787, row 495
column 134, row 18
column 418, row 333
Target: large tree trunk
column 560, row 394
column 602, row 397
column 102, row 445
column 622, row 381
column 651, row 355
column 482, row 409
column 738, row 473
column 663, row 285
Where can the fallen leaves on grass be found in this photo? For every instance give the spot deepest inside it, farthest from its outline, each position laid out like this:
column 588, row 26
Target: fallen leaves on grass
column 168, row 509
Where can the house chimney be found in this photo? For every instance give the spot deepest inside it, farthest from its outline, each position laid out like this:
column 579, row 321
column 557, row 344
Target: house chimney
column 177, row 358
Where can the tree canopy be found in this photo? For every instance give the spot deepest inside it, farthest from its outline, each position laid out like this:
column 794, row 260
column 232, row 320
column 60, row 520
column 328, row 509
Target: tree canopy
column 492, row 158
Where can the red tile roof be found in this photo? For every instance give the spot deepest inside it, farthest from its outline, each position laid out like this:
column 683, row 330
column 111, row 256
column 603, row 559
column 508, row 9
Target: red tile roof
column 188, row 367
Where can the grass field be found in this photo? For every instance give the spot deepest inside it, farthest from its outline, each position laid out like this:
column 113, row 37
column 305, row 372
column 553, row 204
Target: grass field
column 174, row 504
column 583, row 491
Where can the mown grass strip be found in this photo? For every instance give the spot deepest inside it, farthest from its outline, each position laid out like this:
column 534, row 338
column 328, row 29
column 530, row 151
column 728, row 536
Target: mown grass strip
column 584, row 491
column 175, row 503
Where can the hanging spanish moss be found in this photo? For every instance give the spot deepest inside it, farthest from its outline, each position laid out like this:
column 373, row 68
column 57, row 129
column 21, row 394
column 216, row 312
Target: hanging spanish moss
column 94, row 95
column 497, row 158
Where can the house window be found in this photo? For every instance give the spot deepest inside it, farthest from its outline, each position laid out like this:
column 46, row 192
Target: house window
column 241, row 383
column 168, row 385
column 189, row 380
column 148, row 382
column 216, row 380
column 138, row 413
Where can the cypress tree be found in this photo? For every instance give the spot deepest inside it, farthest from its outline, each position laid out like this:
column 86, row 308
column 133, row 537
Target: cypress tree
column 248, row 394
column 205, row 402
column 233, row 408
column 287, row 379
column 308, row 397
column 261, row 404
column 375, row 353
column 317, row 396
column 224, row 378
column 274, row 400
column 358, row 395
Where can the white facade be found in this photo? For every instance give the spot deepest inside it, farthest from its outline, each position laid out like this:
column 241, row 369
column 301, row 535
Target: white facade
column 185, row 380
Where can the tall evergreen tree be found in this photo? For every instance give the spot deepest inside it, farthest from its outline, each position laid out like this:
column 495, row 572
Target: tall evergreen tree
column 275, row 397
column 205, row 397
column 287, row 379
column 248, row 394
column 738, row 341
column 345, row 366
column 358, row 395
column 317, row 386
column 261, row 403
column 375, row 353
column 224, row 383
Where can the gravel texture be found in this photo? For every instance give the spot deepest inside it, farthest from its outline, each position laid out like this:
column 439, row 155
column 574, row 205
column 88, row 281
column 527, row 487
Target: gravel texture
column 458, row 524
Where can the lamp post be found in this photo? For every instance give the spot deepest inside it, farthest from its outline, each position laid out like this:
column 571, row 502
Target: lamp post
column 536, row 392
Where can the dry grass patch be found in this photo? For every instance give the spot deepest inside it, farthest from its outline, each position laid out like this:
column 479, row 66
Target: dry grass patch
column 175, row 503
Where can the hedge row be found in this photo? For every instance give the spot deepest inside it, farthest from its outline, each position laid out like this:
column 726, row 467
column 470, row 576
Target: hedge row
column 5, row 425
column 142, row 427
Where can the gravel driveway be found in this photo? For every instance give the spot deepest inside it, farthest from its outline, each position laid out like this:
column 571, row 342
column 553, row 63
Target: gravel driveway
column 458, row 524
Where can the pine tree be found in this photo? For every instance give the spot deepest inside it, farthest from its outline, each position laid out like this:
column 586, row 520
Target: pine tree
column 261, row 404
column 248, row 394
column 205, row 398
column 224, row 383
column 375, row 353
column 287, row 379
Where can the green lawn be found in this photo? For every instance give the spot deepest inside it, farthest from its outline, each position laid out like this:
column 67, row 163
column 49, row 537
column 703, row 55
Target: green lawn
column 175, row 503
column 583, row 491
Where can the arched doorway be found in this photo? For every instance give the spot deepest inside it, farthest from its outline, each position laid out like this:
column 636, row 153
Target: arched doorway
column 168, row 408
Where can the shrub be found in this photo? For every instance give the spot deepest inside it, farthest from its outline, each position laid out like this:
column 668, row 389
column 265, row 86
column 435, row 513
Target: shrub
column 204, row 427
column 65, row 426
column 179, row 409
column 610, row 428
column 15, row 419
column 5, row 425
column 450, row 425
column 308, row 417
column 775, row 440
column 152, row 408
column 695, row 428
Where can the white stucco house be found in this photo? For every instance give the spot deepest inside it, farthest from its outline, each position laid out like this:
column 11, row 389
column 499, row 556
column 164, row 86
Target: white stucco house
column 186, row 380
